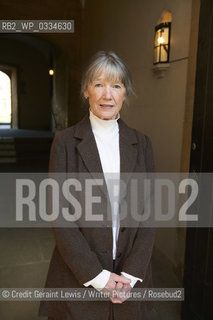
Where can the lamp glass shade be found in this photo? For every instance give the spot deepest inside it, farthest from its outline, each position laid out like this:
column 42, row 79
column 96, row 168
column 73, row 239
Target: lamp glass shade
column 51, row 72
column 162, row 43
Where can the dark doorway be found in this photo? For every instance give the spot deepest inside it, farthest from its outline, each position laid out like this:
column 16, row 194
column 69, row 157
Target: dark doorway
column 31, row 57
column 198, row 275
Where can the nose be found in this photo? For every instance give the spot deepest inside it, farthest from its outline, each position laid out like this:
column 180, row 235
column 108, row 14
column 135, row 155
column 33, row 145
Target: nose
column 107, row 92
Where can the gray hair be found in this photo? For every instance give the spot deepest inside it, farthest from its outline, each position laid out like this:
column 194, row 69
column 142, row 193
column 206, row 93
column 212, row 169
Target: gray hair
column 116, row 70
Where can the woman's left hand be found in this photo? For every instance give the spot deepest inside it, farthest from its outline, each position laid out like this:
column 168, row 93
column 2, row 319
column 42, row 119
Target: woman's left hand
column 121, row 292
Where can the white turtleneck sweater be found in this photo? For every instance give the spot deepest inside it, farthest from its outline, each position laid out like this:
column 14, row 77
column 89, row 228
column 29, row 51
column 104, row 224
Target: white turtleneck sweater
column 106, row 133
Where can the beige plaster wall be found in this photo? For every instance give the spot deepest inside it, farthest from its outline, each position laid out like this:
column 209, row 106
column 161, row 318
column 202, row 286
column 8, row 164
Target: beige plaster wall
column 127, row 27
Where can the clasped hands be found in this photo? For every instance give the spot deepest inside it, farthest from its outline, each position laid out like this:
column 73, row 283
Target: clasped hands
column 118, row 288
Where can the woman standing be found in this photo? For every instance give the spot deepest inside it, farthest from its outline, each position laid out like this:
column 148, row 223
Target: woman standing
column 111, row 257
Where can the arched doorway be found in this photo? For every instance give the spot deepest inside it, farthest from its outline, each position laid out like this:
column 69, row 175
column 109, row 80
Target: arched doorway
column 5, row 100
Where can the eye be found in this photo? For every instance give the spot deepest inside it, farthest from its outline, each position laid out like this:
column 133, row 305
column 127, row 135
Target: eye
column 98, row 85
column 116, row 86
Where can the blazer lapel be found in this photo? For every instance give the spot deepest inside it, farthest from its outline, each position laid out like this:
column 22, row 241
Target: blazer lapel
column 128, row 151
column 89, row 152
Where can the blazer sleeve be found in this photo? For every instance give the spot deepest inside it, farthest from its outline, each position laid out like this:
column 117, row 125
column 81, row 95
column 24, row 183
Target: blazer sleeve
column 138, row 260
column 70, row 242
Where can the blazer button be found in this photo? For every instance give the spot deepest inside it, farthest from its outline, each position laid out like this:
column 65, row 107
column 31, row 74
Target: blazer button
column 123, row 229
column 119, row 255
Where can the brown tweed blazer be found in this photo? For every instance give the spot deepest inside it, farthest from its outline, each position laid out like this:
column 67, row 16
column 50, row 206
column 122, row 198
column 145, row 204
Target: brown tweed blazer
column 82, row 253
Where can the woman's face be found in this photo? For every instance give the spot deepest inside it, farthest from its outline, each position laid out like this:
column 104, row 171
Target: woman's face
column 106, row 97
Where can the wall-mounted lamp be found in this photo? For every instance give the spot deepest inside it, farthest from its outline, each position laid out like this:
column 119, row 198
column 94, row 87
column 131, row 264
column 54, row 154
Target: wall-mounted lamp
column 162, row 43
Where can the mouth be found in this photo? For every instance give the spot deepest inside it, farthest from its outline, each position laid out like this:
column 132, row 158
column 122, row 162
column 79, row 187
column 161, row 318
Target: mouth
column 106, row 106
